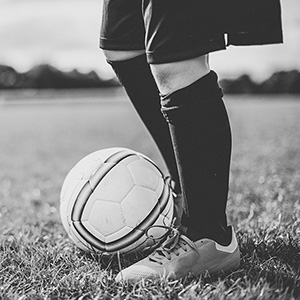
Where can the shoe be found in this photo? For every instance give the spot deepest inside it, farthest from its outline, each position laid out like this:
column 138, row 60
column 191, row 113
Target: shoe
column 178, row 256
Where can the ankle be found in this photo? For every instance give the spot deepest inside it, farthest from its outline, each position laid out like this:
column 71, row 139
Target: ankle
column 220, row 235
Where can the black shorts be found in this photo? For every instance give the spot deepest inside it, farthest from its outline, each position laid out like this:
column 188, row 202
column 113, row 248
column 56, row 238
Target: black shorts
column 168, row 30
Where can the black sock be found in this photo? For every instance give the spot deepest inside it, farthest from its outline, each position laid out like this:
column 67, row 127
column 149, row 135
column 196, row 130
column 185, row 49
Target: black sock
column 136, row 77
column 201, row 137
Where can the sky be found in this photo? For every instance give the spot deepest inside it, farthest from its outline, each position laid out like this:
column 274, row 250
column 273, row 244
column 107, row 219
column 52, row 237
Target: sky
column 65, row 33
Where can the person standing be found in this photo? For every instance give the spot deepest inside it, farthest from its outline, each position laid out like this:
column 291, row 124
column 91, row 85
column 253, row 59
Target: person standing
column 159, row 50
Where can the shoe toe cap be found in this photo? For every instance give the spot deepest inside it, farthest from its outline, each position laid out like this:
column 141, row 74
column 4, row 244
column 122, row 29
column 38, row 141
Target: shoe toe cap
column 137, row 273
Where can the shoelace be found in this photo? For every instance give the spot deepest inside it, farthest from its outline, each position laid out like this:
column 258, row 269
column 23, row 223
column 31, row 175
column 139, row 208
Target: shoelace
column 174, row 242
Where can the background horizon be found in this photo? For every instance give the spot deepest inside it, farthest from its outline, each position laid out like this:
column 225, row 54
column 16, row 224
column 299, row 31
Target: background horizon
column 65, row 34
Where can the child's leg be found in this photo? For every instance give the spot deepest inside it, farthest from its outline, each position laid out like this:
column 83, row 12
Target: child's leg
column 201, row 135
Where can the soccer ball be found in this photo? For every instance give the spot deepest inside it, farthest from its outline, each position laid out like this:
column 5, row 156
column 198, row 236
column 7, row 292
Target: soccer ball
column 116, row 200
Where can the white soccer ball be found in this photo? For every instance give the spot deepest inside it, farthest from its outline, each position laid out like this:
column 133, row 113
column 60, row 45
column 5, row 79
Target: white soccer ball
column 111, row 198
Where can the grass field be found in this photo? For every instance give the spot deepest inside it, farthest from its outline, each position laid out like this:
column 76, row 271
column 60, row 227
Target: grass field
column 41, row 142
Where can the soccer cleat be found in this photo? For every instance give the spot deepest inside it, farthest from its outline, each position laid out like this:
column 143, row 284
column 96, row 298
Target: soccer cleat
column 178, row 256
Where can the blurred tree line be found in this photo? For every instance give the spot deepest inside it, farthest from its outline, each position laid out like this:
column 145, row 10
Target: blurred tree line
column 283, row 82
column 48, row 77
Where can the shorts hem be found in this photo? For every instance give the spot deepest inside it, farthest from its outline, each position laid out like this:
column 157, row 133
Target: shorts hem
column 159, row 57
column 109, row 44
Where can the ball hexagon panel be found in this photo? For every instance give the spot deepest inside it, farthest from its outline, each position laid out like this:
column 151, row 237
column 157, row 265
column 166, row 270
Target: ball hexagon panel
column 144, row 173
column 103, row 217
column 137, row 205
column 116, row 184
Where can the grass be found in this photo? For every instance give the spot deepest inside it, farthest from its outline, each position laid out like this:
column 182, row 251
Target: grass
column 40, row 143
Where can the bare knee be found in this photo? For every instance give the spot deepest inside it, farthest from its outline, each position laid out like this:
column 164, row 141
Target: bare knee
column 176, row 75
column 118, row 55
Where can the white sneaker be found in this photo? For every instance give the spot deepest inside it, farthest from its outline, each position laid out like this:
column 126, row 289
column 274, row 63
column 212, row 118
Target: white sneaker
column 179, row 256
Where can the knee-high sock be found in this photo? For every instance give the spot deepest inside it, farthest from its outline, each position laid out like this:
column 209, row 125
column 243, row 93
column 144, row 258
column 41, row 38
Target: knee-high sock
column 136, row 77
column 201, row 136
